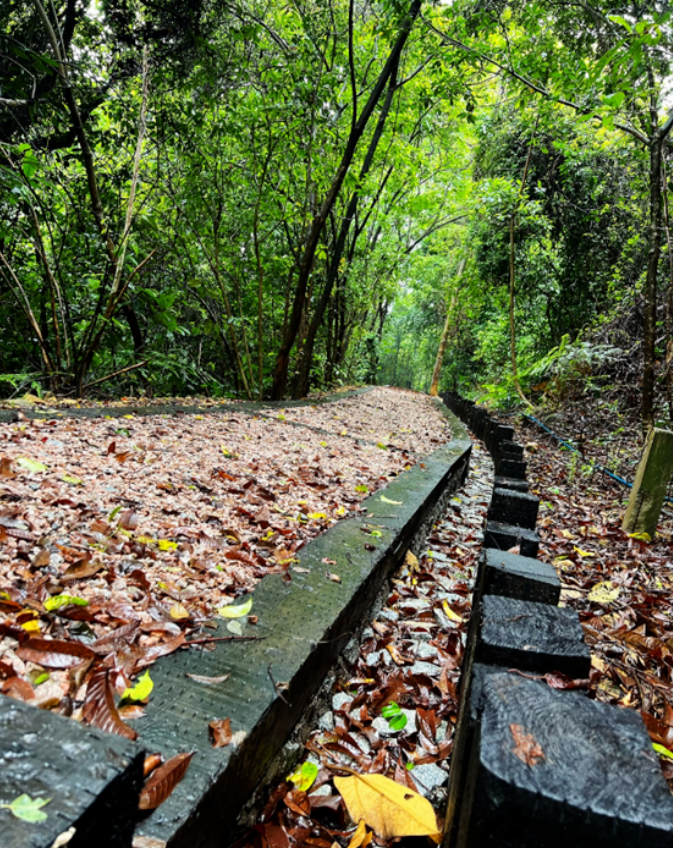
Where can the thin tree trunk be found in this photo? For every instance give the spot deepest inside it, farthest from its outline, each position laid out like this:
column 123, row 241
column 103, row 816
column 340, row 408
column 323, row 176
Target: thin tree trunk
column 512, row 323
column 306, row 265
column 434, row 386
column 302, row 383
column 668, row 363
column 647, row 409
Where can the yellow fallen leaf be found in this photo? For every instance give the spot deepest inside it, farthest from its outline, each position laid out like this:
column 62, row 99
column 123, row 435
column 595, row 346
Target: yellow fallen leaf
column 450, row 614
column 178, row 612
column 411, row 561
column 236, row 612
column 360, row 837
column 165, row 545
column 31, row 626
column 603, row 593
column 142, row 689
column 644, row 537
column 389, row 809
column 384, row 499
column 567, row 534
column 583, row 553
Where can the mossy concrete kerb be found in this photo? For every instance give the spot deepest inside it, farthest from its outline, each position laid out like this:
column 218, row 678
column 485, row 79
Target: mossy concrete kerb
column 303, row 626
column 532, row 765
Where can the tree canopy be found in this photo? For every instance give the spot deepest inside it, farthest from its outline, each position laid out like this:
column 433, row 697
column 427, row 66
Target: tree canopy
column 259, row 199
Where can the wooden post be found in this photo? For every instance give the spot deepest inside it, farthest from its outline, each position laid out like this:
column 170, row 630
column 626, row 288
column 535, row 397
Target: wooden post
column 649, row 489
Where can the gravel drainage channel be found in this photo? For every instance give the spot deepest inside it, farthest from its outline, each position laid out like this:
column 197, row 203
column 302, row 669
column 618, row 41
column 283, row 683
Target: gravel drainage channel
column 302, row 627
column 391, row 705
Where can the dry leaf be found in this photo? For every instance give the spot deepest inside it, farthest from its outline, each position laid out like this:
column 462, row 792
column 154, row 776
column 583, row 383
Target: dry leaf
column 389, row 809
column 526, row 747
column 220, row 731
column 163, row 781
column 200, row 678
column 360, row 838
column 99, row 707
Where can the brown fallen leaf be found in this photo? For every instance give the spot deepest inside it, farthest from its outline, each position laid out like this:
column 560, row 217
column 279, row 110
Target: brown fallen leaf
column 220, row 732
column 54, row 653
column 161, row 650
column 18, row 688
column 526, row 747
column 129, row 519
column 298, row 802
column 81, row 570
column 131, row 711
column 99, row 707
column 6, row 468
column 41, row 559
column 389, row 809
column 163, row 781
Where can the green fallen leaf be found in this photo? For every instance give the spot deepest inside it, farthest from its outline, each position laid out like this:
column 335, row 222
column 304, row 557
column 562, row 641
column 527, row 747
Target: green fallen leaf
column 304, row 776
column 141, row 690
column 390, row 710
column 663, row 752
column 74, row 481
column 31, row 465
column 115, row 512
column 57, row 601
column 27, row 809
column 235, row 627
column 41, row 678
column 361, row 488
column 382, row 446
column 398, row 723
column 376, row 533
column 387, row 500
column 236, row 612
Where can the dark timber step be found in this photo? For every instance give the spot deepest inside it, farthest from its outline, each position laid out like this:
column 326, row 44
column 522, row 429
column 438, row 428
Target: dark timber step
column 515, row 576
column 92, row 778
column 506, row 536
column 582, row 774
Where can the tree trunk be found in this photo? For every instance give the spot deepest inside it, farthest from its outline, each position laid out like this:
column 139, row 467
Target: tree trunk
column 434, row 387
column 650, row 293
column 306, row 265
column 302, row 382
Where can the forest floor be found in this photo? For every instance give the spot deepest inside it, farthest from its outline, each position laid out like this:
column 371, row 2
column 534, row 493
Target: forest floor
column 122, row 537
column 622, row 587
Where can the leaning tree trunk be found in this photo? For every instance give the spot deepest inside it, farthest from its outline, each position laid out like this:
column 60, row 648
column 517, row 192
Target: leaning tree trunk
column 434, row 387
column 650, row 293
column 306, row 265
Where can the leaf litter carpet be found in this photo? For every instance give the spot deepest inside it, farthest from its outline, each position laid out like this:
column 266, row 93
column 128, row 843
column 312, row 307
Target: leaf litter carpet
column 621, row 587
column 121, row 538
column 393, row 711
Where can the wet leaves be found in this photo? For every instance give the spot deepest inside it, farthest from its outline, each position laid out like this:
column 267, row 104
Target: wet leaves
column 621, row 586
